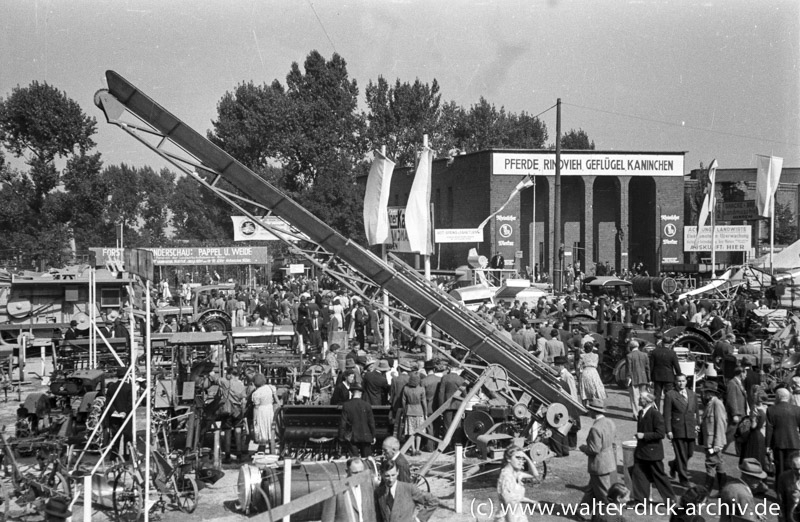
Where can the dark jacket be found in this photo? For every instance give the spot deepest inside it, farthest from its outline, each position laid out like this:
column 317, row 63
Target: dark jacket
column 406, row 497
column 783, row 423
column 357, row 423
column 664, row 365
column 376, row 388
column 341, row 394
column 652, row 425
column 449, row 385
column 681, row 415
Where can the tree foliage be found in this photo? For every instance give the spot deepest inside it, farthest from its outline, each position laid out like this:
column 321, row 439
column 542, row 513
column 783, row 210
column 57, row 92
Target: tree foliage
column 576, row 140
column 785, row 225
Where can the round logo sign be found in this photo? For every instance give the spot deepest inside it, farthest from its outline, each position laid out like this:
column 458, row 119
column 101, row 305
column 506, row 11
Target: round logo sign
column 248, row 228
column 670, row 230
column 506, row 230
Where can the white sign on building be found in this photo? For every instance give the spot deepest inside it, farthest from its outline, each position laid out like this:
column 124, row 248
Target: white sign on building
column 587, row 164
column 727, row 238
column 458, row 235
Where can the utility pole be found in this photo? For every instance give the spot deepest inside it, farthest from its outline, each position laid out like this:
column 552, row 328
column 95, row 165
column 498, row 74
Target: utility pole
column 557, row 274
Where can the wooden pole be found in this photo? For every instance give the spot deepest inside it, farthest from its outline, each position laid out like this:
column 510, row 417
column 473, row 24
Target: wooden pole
column 556, row 269
column 287, row 485
column 427, row 258
column 147, row 402
column 387, row 325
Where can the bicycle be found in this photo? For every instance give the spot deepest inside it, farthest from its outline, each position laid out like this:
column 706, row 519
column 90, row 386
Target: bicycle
column 170, row 477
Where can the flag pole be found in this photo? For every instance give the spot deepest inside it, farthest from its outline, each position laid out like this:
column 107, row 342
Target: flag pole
column 387, row 326
column 713, row 211
column 772, row 236
column 427, row 259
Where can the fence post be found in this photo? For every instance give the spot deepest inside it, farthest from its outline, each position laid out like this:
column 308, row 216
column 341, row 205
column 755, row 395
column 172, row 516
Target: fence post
column 459, row 478
column 87, row 498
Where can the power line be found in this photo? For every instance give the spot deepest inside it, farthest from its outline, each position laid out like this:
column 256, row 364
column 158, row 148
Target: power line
column 681, row 125
column 546, row 110
column 322, row 25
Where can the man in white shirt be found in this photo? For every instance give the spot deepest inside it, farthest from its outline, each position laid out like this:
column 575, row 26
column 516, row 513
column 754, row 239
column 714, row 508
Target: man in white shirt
column 356, row 504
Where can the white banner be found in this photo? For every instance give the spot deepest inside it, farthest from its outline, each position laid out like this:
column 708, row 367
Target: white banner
column 727, row 238
column 245, row 229
column 459, row 235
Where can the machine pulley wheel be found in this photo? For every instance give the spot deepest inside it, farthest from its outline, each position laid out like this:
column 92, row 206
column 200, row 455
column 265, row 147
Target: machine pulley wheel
column 477, row 423
column 496, row 378
column 539, row 452
column 557, row 415
column 521, row 411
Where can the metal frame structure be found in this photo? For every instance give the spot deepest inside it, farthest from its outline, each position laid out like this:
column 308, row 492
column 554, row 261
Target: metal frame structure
column 534, row 384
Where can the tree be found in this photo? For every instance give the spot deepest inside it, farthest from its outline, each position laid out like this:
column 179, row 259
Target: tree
column 785, row 225
column 484, row 127
column 576, row 140
column 400, row 116
column 40, row 124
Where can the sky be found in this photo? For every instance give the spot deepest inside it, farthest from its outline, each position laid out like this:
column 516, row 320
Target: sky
column 716, row 79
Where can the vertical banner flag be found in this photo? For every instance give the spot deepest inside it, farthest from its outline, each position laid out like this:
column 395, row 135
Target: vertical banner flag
column 376, row 200
column 526, row 182
column 769, row 175
column 418, row 214
column 709, row 201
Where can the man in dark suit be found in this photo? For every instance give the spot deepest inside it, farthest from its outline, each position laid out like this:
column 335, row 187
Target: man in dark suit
column 397, row 500
column 431, row 385
column 315, row 327
column 664, row 366
column 376, row 386
column 681, row 418
column 787, row 487
column 735, row 405
column 357, row 425
column 355, row 504
column 451, row 382
column 648, row 458
column 783, row 430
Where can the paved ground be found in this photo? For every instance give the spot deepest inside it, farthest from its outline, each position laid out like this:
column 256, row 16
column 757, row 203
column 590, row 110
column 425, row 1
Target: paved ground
column 561, row 487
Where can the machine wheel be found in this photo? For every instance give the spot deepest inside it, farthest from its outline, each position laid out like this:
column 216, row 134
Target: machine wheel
column 128, row 497
column 421, row 483
column 621, row 374
column 187, row 494
column 693, row 341
column 215, row 322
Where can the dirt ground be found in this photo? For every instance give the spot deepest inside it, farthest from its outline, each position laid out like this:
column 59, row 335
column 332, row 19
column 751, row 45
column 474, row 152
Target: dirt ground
column 562, row 485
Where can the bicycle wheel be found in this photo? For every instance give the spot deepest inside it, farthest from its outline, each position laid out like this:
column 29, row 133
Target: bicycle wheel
column 187, row 494
column 59, row 485
column 421, row 483
column 128, row 497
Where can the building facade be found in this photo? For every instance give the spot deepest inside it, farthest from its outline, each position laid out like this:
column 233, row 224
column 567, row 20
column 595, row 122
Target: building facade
column 617, row 207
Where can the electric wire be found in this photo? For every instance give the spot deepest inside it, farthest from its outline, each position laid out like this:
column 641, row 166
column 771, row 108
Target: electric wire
column 322, row 25
column 681, row 125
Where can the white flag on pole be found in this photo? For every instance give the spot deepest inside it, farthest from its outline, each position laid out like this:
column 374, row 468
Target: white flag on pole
column 526, row 182
column 709, row 202
column 376, row 200
column 769, row 175
column 418, row 215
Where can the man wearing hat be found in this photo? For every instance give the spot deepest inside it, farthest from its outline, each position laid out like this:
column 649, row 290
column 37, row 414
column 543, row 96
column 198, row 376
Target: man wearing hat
column 431, row 383
column 713, row 435
column 599, row 448
column 664, row 366
column 72, row 332
column 357, row 425
column 376, row 386
column 395, row 397
column 736, row 497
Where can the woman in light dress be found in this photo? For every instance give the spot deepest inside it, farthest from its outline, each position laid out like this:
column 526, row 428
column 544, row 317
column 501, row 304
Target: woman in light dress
column 510, row 487
column 264, row 398
column 591, row 383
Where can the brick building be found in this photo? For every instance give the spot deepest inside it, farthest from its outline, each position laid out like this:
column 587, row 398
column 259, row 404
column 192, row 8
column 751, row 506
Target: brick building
column 739, row 185
column 619, row 207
